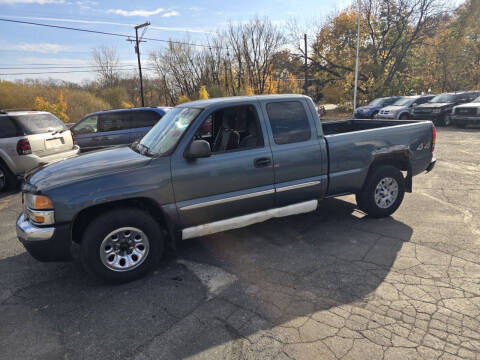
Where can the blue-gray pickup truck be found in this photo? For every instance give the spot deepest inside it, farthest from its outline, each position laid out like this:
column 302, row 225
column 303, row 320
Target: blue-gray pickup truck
column 210, row 166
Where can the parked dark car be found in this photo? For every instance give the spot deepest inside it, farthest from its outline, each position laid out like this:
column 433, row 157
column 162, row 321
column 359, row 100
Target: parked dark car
column 371, row 110
column 440, row 107
column 466, row 114
column 210, row 166
column 115, row 127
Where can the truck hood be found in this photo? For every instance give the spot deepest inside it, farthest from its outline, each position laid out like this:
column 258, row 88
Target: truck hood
column 393, row 108
column 86, row 166
column 469, row 105
column 433, row 105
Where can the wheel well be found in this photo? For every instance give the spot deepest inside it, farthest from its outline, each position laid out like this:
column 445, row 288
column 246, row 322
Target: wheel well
column 400, row 161
column 83, row 218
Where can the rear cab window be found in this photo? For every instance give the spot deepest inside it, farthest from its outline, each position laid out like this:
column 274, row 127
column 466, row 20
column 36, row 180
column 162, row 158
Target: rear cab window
column 32, row 124
column 289, row 122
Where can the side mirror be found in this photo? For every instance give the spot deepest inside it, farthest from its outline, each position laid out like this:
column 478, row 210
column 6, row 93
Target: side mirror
column 199, row 149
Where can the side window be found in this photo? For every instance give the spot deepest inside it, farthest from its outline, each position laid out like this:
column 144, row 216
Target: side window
column 422, row 100
column 8, row 128
column 88, row 125
column 289, row 122
column 231, row 129
column 115, row 121
column 144, row 118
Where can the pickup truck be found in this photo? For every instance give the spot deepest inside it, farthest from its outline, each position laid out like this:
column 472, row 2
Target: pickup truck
column 210, row 166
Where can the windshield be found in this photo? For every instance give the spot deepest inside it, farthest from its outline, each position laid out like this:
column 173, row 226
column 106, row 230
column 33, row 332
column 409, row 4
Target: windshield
column 376, row 102
column 406, row 101
column 39, row 123
column 443, row 98
column 477, row 100
column 164, row 136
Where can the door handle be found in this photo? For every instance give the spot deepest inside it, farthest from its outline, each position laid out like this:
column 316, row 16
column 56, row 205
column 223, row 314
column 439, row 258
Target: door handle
column 262, row 162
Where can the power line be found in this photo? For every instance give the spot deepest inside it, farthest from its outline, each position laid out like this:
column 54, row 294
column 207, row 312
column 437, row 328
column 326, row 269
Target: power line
column 105, row 33
column 67, row 72
column 94, row 67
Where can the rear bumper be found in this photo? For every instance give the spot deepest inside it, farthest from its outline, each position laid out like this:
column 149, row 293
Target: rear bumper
column 28, row 162
column 466, row 120
column 431, row 166
column 45, row 243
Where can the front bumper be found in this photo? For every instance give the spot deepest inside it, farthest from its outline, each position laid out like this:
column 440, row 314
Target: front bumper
column 466, row 120
column 45, row 243
column 432, row 117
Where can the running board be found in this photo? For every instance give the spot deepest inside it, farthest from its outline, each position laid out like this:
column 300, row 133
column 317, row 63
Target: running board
column 249, row 219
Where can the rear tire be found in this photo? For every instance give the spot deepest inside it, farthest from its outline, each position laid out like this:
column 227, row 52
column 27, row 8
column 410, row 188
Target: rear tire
column 121, row 245
column 7, row 179
column 382, row 192
column 445, row 120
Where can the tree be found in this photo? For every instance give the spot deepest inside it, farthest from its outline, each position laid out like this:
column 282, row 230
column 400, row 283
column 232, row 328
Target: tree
column 203, row 93
column 183, row 99
column 106, row 61
column 58, row 109
column 390, row 31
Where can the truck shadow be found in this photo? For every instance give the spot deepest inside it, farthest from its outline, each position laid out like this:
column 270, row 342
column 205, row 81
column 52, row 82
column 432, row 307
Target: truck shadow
column 279, row 273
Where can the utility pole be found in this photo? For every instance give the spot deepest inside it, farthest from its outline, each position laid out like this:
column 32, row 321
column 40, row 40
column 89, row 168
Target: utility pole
column 305, row 84
column 137, row 50
column 356, row 60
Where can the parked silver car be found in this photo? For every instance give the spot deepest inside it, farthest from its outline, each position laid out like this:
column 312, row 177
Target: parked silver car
column 401, row 109
column 29, row 139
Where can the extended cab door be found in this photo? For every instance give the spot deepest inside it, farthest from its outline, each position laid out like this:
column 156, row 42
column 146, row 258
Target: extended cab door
column 236, row 179
column 299, row 153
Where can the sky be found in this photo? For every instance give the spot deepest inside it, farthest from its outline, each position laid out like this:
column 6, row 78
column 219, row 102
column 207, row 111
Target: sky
column 31, row 49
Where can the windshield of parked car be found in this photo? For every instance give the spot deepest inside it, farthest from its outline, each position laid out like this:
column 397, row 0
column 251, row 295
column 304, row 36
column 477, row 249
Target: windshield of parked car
column 164, row 136
column 443, row 98
column 406, row 101
column 39, row 123
column 376, row 102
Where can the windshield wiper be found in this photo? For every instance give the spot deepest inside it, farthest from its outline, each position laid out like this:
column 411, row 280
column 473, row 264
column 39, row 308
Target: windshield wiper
column 144, row 151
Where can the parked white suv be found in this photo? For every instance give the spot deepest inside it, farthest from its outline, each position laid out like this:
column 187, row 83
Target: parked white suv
column 29, row 139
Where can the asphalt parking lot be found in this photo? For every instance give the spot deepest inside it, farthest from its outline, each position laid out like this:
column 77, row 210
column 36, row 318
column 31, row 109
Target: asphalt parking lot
column 333, row 284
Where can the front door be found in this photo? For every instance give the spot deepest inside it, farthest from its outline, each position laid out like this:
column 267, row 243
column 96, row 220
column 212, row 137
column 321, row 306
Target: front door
column 298, row 155
column 236, row 179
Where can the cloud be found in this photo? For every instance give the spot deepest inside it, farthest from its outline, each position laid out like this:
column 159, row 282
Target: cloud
column 99, row 22
column 170, row 13
column 143, row 13
column 45, row 48
column 41, row 2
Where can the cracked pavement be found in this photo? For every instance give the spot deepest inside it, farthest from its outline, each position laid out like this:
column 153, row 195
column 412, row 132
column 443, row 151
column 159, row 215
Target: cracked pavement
column 332, row 284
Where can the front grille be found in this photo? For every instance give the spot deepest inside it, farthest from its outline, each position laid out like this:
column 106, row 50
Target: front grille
column 466, row 111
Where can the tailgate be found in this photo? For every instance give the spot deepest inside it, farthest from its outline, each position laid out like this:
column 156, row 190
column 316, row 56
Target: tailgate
column 50, row 143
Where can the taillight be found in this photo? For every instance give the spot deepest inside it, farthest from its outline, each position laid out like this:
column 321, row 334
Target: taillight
column 434, row 137
column 73, row 138
column 23, row 147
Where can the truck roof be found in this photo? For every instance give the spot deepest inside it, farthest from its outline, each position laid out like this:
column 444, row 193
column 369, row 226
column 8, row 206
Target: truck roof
column 233, row 99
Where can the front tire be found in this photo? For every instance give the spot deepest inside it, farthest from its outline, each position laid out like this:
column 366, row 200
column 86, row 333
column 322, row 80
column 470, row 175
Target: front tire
column 121, row 245
column 383, row 192
column 404, row 117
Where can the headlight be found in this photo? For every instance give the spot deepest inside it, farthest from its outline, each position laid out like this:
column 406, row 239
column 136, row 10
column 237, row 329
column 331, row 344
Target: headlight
column 39, row 209
column 453, row 110
column 38, row 202
column 436, row 111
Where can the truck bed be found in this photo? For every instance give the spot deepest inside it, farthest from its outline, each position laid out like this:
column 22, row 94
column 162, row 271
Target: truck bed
column 354, row 144
column 346, row 126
